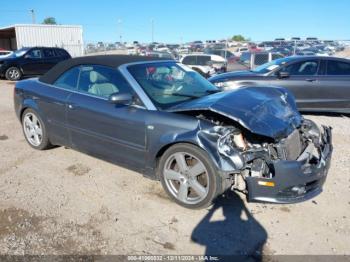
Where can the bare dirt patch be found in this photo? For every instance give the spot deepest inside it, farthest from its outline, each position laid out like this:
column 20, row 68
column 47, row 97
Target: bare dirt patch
column 78, row 169
column 3, row 137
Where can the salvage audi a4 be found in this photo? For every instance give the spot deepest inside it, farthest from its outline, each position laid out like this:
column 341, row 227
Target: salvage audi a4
column 164, row 120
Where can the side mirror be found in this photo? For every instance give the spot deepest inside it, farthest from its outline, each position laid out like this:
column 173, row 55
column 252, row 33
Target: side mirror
column 283, row 75
column 26, row 56
column 121, row 98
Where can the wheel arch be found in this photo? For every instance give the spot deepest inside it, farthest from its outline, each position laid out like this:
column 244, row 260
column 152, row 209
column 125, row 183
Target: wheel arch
column 165, row 147
column 14, row 64
column 30, row 104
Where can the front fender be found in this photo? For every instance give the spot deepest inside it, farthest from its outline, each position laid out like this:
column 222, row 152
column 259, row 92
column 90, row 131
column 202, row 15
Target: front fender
column 204, row 136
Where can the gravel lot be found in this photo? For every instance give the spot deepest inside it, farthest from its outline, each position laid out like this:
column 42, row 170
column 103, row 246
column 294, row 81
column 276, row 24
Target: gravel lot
column 63, row 202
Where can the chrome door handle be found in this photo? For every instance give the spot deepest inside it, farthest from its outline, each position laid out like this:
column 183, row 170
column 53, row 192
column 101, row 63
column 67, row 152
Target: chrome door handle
column 70, row 106
column 310, row 80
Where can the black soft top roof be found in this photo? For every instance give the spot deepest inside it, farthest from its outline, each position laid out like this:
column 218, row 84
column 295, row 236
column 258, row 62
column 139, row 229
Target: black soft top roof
column 106, row 60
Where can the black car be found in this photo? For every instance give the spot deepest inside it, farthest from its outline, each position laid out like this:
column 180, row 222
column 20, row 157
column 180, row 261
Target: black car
column 166, row 121
column 319, row 84
column 31, row 61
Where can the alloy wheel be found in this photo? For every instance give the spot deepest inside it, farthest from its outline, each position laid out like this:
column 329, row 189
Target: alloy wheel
column 186, row 178
column 32, row 129
column 14, row 74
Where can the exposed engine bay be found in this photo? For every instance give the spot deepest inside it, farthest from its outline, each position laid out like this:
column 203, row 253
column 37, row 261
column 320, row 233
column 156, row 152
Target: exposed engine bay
column 254, row 156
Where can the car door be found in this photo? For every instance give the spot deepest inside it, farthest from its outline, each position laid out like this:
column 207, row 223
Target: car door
column 98, row 127
column 49, row 60
column 302, row 79
column 334, row 86
column 31, row 63
column 53, row 103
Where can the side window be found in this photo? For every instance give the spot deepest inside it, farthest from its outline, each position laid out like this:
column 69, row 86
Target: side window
column 69, row 79
column 102, row 81
column 338, row 68
column 48, row 53
column 189, row 60
column 61, row 52
column 35, row 53
column 305, row 68
column 203, row 60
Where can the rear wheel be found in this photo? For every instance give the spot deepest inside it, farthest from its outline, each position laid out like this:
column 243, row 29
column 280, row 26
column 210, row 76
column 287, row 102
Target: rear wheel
column 34, row 130
column 13, row 74
column 188, row 176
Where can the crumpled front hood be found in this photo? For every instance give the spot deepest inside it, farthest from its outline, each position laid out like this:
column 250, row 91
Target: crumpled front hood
column 267, row 111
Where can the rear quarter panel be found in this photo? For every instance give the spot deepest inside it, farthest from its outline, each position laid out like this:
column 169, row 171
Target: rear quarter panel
column 48, row 102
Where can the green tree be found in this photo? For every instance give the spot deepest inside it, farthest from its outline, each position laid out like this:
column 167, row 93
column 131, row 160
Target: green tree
column 238, row 38
column 50, row 21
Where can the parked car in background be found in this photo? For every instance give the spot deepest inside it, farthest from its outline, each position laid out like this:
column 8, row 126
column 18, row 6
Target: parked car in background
column 183, row 50
column 131, row 50
column 111, row 47
column 304, row 53
column 240, row 50
column 159, row 54
column 206, row 65
column 196, row 46
column 319, row 84
column 282, row 50
column 100, row 46
column 209, row 42
column 252, row 59
column 30, row 61
column 164, row 120
column 4, row 53
column 228, row 55
column 90, row 48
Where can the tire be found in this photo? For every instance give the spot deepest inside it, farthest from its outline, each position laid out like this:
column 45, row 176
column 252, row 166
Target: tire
column 34, row 130
column 13, row 73
column 190, row 187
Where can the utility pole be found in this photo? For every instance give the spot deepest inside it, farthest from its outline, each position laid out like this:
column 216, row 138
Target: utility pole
column 152, row 24
column 226, row 47
column 33, row 15
column 120, row 30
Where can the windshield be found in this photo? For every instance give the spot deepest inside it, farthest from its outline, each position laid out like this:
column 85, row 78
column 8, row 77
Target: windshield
column 268, row 67
column 20, row 52
column 169, row 83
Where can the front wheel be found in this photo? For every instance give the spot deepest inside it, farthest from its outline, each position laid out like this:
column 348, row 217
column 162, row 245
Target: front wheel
column 13, row 74
column 188, row 176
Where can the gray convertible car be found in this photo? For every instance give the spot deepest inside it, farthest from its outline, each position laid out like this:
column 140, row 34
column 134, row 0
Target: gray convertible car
column 164, row 120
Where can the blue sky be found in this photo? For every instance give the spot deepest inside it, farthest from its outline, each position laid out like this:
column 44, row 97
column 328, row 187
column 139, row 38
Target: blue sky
column 188, row 20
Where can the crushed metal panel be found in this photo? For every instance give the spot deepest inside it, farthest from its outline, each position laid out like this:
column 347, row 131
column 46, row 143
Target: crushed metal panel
column 266, row 111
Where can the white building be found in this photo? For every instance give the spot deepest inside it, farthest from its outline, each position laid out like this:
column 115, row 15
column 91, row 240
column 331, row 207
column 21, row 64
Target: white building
column 69, row 37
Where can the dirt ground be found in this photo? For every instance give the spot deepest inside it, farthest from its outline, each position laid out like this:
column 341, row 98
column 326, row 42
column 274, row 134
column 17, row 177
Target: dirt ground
column 64, row 202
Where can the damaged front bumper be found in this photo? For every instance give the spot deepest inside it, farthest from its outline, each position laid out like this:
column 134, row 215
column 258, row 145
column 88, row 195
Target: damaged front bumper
column 294, row 181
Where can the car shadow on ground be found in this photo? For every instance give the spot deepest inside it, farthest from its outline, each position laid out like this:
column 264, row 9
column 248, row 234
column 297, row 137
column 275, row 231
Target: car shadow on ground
column 235, row 235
